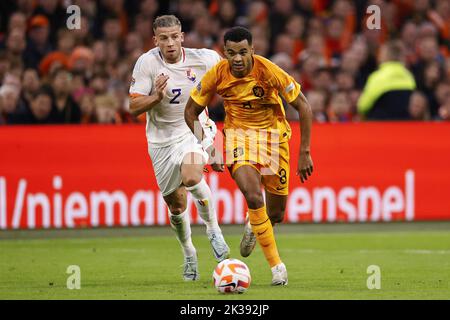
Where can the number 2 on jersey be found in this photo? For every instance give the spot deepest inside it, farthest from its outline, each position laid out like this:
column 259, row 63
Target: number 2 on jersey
column 177, row 93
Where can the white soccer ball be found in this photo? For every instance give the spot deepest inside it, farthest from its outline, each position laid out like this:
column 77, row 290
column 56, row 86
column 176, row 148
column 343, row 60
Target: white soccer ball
column 232, row 276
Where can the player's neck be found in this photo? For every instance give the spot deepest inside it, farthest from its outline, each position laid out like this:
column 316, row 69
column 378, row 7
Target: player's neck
column 177, row 60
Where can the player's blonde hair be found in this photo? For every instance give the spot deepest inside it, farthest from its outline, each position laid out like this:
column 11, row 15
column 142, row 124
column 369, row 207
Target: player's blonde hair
column 166, row 21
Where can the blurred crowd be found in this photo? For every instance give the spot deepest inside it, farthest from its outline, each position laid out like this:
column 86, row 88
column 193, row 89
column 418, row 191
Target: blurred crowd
column 51, row 74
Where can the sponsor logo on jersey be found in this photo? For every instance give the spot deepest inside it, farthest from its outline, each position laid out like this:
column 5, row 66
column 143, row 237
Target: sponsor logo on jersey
column 191, row 75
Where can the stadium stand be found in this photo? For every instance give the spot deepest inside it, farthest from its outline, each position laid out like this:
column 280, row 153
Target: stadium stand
column 325, row 44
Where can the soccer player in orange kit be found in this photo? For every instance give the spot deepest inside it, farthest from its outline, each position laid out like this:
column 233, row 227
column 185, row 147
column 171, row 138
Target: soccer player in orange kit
column 256, row 137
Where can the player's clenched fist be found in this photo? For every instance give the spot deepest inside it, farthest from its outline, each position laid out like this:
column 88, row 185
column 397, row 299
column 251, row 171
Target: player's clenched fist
column 160, row 85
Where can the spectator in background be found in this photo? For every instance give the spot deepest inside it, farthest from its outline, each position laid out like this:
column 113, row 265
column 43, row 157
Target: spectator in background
column 432, row 74
column 330, row 47
column 387, row 91
column 442, row 94
column 260, row 41
column 257, row 14
column 55, row 14
column 82, row 61
column 59, row 58
column 444, row 110
column 409, row 39
column 202, row 34
column 15, row 46
column 5, row 65
column 66, row 41
column 38, row 41
column 323, row 79
column 335, row 36
column 65, row 110
column 340, row 110
column 365, row 61
column 227, row 13
column 87, row 107
column 83, row 36
column 112, row 29
column 284, row 44
column 428, row 52
column 278, row 17
column 309, row 64
column 133, row 47
column 9, row 99
column 295, row 28
column 418, row 106
column 17, row 21
column 30, row 86
column 39, row 110
column 99, row 83
column 143, row 27
column 106, row 108
column 344, row 80
column 318, row 102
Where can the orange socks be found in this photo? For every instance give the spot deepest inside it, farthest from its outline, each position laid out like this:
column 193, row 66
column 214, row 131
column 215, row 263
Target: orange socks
column 263, row 230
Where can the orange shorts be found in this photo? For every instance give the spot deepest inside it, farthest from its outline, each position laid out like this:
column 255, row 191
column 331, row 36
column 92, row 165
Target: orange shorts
column 271, row 161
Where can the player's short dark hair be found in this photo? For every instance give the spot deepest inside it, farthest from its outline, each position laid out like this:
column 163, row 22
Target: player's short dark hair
column 238, row 34
column 166, row 21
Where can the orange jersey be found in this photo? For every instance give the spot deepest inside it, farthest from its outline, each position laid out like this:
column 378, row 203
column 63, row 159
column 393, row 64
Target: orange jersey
column 251, row 102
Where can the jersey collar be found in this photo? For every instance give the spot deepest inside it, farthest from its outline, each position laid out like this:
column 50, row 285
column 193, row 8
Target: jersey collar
column 182, row 60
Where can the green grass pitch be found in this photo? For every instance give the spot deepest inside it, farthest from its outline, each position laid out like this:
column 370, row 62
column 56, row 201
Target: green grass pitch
column 323, row 261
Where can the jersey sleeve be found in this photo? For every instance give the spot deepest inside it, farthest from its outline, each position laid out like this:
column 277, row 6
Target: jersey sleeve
column 286, row 85
column 141, row 81
column 206, row 88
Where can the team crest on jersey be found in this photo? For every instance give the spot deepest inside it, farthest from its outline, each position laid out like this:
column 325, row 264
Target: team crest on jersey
column 258, row 91
column 191, row 75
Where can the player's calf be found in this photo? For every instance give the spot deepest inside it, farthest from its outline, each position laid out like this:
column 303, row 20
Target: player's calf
column 276, row 217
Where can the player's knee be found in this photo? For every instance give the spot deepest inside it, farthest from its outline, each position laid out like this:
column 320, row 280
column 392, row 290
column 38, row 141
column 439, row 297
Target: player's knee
column 254, row 199
column 176, row 208
column 192, row 179
column 277, row 216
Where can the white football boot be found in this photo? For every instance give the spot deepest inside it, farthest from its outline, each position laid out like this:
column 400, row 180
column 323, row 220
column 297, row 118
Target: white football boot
column 190, row 269
column 248, row 241
column 220, row 248
column 279, row 275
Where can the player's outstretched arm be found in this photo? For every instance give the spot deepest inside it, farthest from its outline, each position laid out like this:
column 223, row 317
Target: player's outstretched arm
column 140, row 104
column 305, row 163
column 191, row 113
